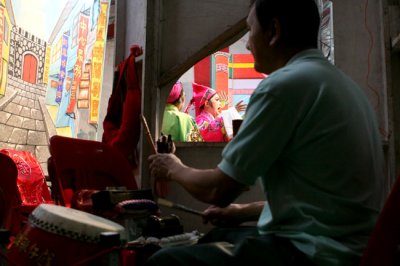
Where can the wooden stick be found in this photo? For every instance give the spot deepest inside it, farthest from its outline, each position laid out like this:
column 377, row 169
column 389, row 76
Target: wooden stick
column 148, row 134
column 170, row 204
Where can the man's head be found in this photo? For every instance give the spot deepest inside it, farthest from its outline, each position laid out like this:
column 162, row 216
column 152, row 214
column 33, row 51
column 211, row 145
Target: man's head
column 279, row 29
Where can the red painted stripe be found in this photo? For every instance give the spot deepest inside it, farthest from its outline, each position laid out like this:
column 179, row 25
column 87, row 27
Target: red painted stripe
column 246, row 73
column 243, row 58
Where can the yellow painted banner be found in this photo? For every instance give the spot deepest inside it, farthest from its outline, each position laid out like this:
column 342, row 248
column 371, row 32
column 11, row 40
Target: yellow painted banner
column 241, row 65
column 97, row 65
column 46, row 65
column 2, row 89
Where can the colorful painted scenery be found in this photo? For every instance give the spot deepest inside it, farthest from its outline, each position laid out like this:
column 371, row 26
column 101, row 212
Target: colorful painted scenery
column 51, row 71
column 52, row 78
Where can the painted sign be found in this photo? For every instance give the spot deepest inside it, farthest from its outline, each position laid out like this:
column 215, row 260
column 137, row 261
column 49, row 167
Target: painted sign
column 97, row 65
column 1, row 36
column 242, row 67
column 221, row 73
column 46, row 65
column 80, row 56
column 63, row 68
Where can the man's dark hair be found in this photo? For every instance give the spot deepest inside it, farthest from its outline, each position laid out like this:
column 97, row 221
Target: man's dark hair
column 300, row 20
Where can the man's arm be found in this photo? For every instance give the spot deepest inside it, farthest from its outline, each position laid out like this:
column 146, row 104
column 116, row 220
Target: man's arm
column 209, row 185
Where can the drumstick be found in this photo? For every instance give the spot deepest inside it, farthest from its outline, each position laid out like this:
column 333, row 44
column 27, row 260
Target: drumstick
column 170, row 204
column 160, row 187
column 148, row 134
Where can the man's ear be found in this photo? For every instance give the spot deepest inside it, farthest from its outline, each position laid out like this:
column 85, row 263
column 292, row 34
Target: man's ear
column 274, row 32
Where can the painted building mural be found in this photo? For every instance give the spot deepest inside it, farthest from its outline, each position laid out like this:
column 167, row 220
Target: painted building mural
column 6, row 22
column 50, row 76
column 27, row 56
column 75, row 69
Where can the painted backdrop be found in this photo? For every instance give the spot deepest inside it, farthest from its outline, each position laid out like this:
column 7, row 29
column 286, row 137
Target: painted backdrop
column 51, row 71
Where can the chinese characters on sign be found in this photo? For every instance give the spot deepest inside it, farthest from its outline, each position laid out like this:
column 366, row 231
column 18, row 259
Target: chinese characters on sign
column 63, row 68
column 82, row 37
column 97, row 65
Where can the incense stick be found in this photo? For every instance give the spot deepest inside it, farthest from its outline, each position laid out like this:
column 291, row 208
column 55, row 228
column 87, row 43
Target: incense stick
column 148, row 134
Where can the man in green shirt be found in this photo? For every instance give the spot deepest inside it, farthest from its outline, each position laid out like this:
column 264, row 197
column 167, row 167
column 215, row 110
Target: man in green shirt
column 310, row 136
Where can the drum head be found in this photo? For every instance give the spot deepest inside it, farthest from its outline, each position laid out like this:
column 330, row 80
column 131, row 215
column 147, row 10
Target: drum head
column 73, row 223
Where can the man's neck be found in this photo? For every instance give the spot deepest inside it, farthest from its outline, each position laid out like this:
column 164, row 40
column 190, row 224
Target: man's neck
column 287, row 53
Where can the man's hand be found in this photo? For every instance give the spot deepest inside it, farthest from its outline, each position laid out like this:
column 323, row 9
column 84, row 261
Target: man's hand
column 161, row 164
column 160, row 168
column 234, row 214
column 229, row 215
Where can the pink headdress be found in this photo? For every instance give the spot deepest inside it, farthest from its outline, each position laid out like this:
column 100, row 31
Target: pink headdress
column 201, row 94
column 175, row 92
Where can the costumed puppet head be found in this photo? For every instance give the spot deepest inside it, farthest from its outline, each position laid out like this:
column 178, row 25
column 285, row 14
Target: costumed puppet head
column 175, row 93
column 201, row 94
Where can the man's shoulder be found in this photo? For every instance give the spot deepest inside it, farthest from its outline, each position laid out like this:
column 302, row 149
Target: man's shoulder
column 285, row 77
column 299, row 73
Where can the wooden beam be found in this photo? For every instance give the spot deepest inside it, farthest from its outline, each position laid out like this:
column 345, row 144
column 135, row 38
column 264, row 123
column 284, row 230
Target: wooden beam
column 226, row 38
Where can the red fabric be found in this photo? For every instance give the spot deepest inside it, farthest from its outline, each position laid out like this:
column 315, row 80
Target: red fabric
column 129, row 257
column 9, row 200
column 382, row 247
column 84, row 164
column 122, row 123
column 28, row 190
column 31, row 181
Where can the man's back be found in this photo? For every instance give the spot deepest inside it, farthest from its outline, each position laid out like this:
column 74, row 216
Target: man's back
column 319, row 155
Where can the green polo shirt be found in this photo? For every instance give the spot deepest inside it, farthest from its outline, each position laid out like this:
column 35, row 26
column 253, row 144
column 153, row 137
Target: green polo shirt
column 311, row 136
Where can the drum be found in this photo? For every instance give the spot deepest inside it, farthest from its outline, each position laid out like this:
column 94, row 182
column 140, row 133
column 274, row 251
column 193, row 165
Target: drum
column 57, row 235
column 133, row 214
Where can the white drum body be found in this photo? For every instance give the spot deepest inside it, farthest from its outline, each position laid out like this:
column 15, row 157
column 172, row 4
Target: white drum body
column 57, row 235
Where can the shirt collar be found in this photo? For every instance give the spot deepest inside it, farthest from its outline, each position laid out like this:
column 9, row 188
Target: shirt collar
column 309, row 53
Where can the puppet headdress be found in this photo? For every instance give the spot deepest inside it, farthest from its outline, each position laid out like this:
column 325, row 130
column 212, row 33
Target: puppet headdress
column 201, row 94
